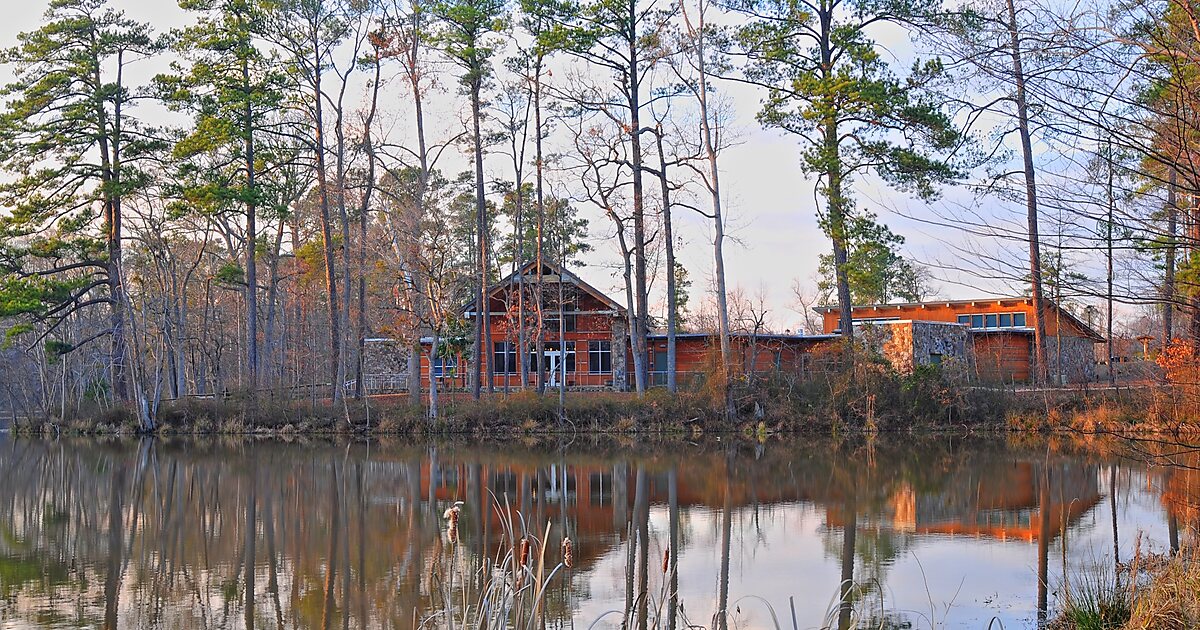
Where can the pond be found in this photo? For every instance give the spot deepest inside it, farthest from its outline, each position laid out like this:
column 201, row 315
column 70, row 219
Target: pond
column 943, row 532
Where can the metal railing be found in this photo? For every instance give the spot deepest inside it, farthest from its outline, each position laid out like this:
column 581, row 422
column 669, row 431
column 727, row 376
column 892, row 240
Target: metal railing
column 377, row 383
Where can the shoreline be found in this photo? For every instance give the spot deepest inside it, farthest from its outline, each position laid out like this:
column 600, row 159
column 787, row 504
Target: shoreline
column 1121, row 412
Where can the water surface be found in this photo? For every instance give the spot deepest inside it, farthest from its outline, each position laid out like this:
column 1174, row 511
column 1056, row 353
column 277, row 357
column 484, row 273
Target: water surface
column 940, row 532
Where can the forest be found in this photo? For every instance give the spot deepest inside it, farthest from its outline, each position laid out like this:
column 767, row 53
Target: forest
column 296, row 178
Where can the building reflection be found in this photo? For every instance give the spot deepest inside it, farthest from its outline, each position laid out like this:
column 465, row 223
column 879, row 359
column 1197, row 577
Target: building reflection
column 272, row 535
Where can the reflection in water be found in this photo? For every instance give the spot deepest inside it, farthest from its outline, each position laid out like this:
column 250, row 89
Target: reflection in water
column 267, row 535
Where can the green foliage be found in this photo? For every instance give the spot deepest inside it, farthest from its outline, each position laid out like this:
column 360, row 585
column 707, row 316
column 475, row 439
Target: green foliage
column 466, row 36
column 233, row 89
column 15, row 331
column 562, row 223
column 878, row 274
column 682, row 284
column 230, row 274
column 828, row 84
column 455, row 339
column 1094, row 600
column 56, row 348
column 887, row 125
column 64, row 126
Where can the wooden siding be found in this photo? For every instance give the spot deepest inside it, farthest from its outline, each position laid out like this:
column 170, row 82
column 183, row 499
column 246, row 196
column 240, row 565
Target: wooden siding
column 593, row 322
column 699, row 354
column 949, row 312
column 1003, row 357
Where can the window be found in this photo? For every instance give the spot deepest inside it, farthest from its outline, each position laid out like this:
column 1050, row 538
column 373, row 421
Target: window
column 600, row 357
column 553, row 346
column 551, row 322
column 504, row 357
column 935, row 358
column 444, row 366
column 600, row 488
column 993, row 320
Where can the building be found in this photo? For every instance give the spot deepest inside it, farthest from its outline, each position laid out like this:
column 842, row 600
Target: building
column 990, row 340
column 595, row 344
column 696, row 354
column 1000, row 331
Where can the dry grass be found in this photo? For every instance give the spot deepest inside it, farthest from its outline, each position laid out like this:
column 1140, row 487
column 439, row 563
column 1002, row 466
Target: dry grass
column 1168, row 594
column 1150, row 592
column 867, row 396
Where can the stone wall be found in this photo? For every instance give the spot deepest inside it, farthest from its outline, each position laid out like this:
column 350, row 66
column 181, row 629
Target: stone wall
column 385, row 356
column 907, row 344
column 948, row 345
column 1078, row 358
column 620, row 348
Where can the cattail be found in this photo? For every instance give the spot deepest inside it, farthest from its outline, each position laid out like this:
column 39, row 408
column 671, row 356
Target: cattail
column 524, row 552
column 568, row 556
column 666, row 559
column 451, row 514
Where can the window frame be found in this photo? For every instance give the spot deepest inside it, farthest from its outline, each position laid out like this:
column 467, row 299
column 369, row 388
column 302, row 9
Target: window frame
column 597, row 349
column 570, row 353
column 438, row 366
column 507, row 363
column 980, row 321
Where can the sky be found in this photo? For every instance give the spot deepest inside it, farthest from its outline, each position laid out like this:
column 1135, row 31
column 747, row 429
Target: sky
column 771, row 206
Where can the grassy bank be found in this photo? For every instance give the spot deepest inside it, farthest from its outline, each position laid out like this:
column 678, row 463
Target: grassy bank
column 871, row 397
column 1151, row 592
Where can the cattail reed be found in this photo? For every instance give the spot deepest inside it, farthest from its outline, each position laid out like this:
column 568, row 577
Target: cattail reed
column 452, row 529
column 524, row 557
column 666, row 560
column 568, row 555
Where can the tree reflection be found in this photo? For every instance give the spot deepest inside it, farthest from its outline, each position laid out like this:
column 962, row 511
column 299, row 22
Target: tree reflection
column 160, row 534
column 116, row 547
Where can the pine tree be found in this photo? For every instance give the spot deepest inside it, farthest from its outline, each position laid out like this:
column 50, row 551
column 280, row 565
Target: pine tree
column 75, row 153
column 829, row 85
column 229, row 85
column 467, row 39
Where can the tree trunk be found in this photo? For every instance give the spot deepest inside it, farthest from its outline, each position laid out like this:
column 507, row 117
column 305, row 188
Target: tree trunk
column 1112, row 373
column 251, row 236
column 672, row 297
column 433, row 388
column 274, row 362
column 562, row 323
column 837, row 205
column 344, row 221
column 627, row 274
column 519, row 270
column 483, row 329
column 412, row 258
column 538, row 345
column 110, row 175
column 1194, row 289
column 639, row 220
column 1168, row 306
column 1041, row 365
column 714, row 186
column 336, row 366
column 364, row 211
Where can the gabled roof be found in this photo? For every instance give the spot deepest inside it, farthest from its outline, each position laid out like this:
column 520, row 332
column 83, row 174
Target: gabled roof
column 1088, row 331
column 548, row 269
